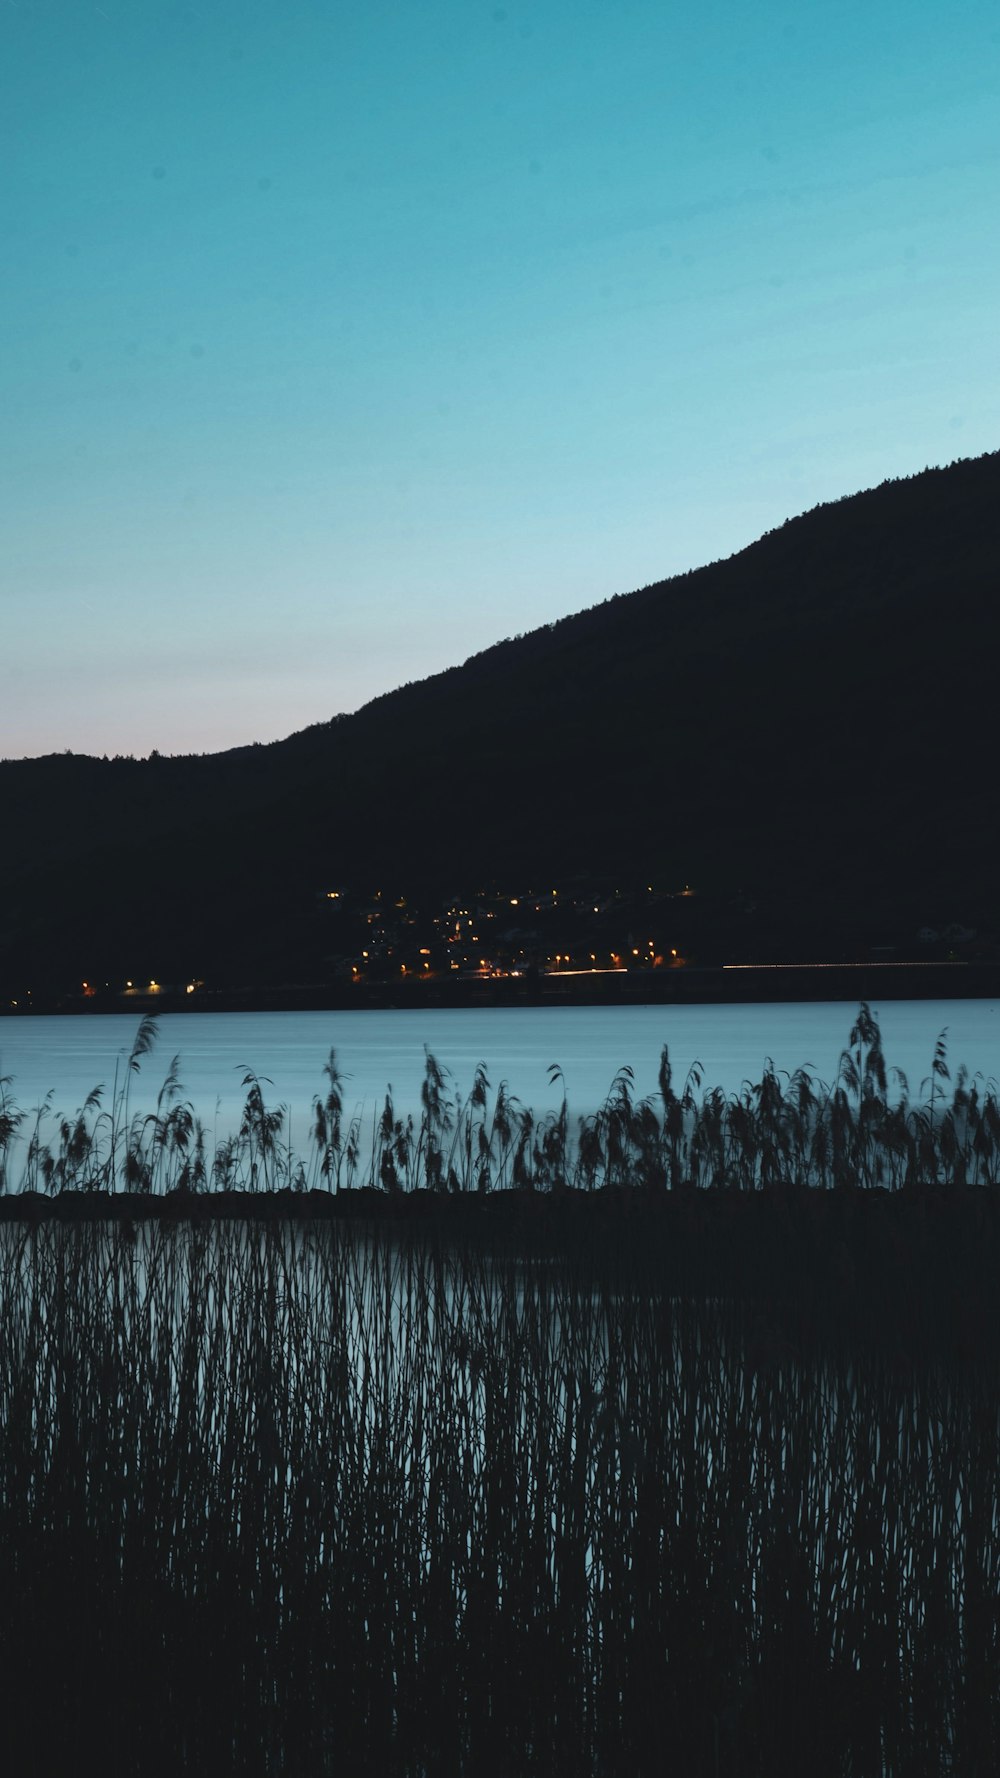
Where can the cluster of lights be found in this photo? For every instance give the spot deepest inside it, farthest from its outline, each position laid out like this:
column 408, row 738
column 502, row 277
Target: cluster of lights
column 457, row 922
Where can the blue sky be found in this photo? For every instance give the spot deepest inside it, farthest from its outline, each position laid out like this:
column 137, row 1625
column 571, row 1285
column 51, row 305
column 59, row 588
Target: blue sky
column 340, row 342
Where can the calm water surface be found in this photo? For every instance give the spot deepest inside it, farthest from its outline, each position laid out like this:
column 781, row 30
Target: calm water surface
column 376, row 1049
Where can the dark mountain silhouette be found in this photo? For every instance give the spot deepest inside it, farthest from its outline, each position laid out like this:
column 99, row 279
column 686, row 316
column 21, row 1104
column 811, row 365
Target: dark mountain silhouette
column 810, row 724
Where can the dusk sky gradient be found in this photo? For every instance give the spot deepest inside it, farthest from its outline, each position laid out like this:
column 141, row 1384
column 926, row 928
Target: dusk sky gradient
column 340, row 342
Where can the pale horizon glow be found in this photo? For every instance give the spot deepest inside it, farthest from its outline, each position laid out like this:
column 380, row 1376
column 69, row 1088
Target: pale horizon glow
column 341, row 345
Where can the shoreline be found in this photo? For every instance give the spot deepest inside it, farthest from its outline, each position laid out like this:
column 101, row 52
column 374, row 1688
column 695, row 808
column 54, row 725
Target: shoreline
column 693, row 985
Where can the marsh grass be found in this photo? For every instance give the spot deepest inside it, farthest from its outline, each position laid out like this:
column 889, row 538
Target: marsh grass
column 863, row 1130
column 301, row 1500
column 414, row 1497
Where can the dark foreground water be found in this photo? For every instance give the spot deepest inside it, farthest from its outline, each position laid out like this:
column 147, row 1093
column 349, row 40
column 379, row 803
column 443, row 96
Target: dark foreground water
column 305, row 1501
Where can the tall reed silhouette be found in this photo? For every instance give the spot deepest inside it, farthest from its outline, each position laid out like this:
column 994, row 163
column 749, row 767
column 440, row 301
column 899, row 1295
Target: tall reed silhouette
column 781, row 1132
column 301, row 1500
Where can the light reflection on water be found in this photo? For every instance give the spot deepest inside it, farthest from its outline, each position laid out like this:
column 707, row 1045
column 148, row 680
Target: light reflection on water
column 665, row 1487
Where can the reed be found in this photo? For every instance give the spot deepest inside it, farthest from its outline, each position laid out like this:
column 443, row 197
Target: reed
column 864, row 1130
column 296, row 1500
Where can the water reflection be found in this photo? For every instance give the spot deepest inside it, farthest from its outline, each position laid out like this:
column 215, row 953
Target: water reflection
column 396, row 1506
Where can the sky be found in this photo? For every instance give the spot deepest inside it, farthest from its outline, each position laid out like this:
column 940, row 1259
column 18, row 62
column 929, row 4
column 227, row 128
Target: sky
column 340, row 341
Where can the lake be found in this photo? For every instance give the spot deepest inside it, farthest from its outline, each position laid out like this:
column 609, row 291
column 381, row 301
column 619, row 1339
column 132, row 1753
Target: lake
column 71, row 1055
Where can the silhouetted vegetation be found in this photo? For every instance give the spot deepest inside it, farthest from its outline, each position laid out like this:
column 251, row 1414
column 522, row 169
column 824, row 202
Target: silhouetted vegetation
column 862, row 1130
column 300, row 1501
column 331, row 1464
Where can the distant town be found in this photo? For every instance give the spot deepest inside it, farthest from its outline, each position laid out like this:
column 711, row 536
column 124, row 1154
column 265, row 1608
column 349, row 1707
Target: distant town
column 582, row 929
column 584, row 939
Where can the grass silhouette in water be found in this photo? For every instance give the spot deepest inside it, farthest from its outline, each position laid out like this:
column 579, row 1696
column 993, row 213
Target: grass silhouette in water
column 864, row 1130
column 298, row 1500
column 398, row 1495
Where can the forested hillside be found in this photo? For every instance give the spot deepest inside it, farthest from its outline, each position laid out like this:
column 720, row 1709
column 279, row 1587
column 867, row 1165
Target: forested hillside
column 809, row 723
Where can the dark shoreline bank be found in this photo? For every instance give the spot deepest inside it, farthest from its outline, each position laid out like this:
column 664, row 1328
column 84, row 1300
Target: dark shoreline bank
column 736, row 984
